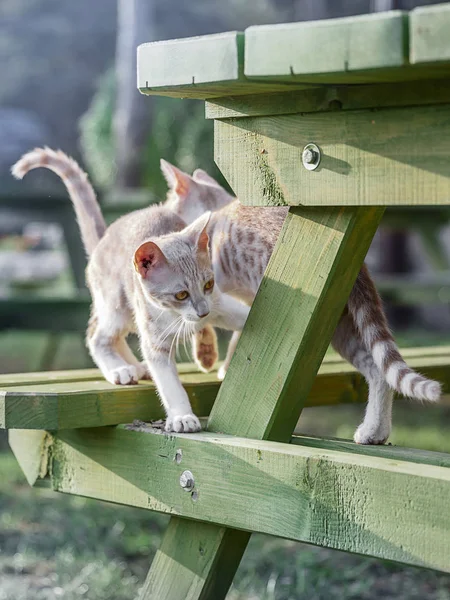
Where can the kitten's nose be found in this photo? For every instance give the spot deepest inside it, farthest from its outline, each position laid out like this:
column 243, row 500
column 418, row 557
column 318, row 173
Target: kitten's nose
column 202, row 309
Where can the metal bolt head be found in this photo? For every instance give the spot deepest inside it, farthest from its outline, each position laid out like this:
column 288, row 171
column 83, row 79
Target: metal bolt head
column 187, row 481
column 308, row 156
column 311, row 157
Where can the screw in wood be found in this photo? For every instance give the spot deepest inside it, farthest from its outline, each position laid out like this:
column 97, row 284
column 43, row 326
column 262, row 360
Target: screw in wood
column 311, row 157
column 187, row 481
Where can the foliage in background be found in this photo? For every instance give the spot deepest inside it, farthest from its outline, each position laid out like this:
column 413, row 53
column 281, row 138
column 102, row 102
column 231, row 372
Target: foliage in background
column 180, row 134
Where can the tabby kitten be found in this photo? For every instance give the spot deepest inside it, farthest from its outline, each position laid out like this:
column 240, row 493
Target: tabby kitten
column 148, row 274
column 242, row 240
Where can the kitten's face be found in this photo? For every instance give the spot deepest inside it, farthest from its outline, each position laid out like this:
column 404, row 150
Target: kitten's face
column 190, row 197
column 176, row 273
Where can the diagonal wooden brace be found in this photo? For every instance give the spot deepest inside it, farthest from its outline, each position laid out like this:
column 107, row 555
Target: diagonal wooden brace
column 302, row 295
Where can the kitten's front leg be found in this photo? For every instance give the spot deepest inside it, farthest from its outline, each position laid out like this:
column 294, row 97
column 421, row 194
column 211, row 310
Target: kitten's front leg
column 163, row 370
column 229, row 313
column 204, row 348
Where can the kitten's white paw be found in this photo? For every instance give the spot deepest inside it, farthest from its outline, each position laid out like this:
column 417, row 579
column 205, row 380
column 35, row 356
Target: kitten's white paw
column 183, row 424
column 221, row 373
column 372, row 433
column 127, row 375
column 142, row 371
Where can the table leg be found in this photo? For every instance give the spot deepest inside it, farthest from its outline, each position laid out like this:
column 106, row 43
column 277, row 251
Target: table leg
column 298, row 305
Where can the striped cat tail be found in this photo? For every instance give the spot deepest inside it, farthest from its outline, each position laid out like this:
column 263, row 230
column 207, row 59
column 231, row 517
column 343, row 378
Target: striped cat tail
column 90, row 219
column 366, row 309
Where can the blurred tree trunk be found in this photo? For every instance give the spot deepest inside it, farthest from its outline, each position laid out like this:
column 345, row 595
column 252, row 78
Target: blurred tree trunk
column 133, row 113
column 395, row 256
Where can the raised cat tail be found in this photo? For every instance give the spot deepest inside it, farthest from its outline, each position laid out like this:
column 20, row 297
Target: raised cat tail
column 365, row 306
column 90, row 219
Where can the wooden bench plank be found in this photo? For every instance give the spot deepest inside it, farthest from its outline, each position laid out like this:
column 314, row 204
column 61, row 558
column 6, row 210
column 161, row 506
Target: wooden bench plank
column 76, row 399
column 429, row 34
column 381, row 505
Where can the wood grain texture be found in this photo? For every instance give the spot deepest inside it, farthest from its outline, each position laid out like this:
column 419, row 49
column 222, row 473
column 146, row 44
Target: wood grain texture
column 330, row 46
column 369, row 158
column 77, row 399
column 378, row 504
column 216, row 58
column 333, row 98
column 290, row 324
column 292, row 320
column 200, row 67
column 429, row 34
column 90, row 401
column 31, row 449
column 82, row 398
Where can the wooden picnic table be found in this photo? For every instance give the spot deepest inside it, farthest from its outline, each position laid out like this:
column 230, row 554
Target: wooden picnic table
column 337, row 119
column 369, row 98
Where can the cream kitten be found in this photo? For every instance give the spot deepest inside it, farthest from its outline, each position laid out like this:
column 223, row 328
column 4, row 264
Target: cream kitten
column 148, row 274
column 242, row 240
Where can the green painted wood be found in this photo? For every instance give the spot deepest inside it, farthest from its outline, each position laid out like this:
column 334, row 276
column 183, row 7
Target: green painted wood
column 429, row 34
column 31, row 451
column 292, row 320
column 377, row 504
column 290, row 324
column 397, row 453
column 93, row 403
column 68, row 376
column 331, row 98
column 368, row 158
column 199, row 67
column 76, row 399
column 194, row 553
column 342, row 47
column 211, row 59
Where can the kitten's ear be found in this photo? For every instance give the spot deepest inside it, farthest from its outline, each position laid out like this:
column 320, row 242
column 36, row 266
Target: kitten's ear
column 176, row 179
column 203, row 177
column 197, row 232
column 147, row 258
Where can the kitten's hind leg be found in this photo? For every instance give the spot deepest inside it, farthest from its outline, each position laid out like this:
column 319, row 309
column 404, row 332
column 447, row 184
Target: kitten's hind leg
column 128, row 355
column 230, row 351
column 106, row 341
column 377, row 423
column 204, row 348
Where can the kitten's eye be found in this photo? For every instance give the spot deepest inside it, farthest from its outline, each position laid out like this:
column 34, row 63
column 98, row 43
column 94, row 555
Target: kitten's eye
column 182, row 295
column 209, row 284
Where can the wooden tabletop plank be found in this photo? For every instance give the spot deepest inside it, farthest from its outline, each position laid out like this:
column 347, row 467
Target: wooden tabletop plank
column 200, row 67
column 430, row 34
column 265, row 59
column 339, row 46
